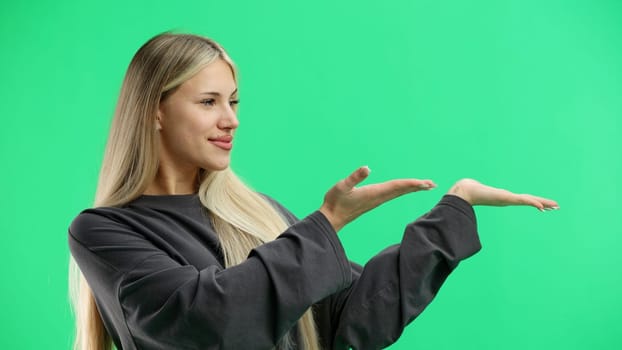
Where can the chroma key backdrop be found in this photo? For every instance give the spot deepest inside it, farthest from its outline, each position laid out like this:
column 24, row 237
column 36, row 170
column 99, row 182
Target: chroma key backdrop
column 520, row 94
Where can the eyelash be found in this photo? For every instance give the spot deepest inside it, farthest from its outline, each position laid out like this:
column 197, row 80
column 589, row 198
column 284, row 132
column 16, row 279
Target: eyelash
column 211, row 101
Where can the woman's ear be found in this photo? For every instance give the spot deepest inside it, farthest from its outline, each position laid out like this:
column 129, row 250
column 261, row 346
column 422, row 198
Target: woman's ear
column 158, row 121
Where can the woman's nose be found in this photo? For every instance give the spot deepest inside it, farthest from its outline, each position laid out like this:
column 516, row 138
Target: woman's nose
column 229, row 119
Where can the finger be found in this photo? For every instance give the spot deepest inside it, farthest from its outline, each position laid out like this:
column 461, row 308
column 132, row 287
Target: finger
column 427, row 185
column 536, row 204
column 410, row 185
column 356, row 177
column 542, row 204
column 394, row 188
column 549, row 204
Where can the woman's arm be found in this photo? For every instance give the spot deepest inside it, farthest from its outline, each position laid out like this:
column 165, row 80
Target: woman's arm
column 158, row 303
column 396, row 285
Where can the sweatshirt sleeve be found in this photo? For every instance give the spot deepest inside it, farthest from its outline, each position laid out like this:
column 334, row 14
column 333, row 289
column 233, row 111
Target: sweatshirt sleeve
column 396, row 285
column 169, row 305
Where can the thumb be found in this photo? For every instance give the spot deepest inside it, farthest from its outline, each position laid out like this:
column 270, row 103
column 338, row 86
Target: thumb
column 356, row 177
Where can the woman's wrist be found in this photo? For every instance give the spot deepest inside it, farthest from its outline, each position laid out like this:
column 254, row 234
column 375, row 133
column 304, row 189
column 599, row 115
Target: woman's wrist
column 458, row 189
column 331, row 219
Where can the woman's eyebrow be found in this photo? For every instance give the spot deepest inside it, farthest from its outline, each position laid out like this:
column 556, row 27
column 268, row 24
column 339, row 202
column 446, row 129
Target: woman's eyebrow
column 217, row 93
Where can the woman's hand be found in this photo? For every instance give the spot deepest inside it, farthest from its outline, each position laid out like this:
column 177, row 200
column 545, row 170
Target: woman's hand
column 479, row 194
column 344, row 202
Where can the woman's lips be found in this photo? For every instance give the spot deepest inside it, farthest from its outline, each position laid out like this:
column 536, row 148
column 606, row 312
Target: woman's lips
column 223, row 142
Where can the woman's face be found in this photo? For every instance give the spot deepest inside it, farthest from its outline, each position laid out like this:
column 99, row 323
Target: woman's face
column 197, row 121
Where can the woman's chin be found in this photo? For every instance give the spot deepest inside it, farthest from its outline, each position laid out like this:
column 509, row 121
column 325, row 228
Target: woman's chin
column 215, row 167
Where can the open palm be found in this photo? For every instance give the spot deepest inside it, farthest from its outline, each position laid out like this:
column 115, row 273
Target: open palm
column 479, row 194
column 344, row 202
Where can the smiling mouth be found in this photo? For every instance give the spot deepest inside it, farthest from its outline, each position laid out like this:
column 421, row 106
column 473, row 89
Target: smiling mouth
column 223, row 142
column 224, row 138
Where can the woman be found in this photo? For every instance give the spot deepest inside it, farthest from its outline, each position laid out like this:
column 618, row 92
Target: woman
column 179, row 254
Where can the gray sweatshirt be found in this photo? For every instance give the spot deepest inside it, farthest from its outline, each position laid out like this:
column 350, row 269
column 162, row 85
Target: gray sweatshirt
column 157, row 273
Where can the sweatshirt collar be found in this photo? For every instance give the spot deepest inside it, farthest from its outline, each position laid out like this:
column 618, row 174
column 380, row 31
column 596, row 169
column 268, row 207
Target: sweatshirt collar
column 167, row 201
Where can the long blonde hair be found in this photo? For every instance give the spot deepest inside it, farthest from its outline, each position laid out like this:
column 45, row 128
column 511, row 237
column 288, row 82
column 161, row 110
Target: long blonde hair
column 242, row 218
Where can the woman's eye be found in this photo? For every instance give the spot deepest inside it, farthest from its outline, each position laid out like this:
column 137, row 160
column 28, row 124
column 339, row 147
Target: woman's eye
column 211, row 102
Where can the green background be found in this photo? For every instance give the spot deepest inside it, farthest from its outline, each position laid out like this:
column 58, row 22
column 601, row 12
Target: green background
column 520, row 94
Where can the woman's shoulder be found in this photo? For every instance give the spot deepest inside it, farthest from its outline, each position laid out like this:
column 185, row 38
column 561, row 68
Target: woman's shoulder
column 97, row 220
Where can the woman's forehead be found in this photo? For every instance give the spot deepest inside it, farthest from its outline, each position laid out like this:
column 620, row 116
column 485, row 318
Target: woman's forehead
column 216, row 78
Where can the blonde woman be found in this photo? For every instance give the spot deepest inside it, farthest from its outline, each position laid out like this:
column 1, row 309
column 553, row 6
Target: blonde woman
column 178, row 253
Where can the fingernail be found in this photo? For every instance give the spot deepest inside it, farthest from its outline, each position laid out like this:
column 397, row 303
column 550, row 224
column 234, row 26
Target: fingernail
column 540, row 209
column 424, row 186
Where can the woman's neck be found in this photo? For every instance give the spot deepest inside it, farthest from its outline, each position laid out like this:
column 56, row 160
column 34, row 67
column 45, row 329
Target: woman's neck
column 168, row 182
